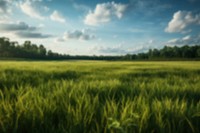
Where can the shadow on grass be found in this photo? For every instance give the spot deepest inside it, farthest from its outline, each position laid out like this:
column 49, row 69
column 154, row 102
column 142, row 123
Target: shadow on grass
column 15, row 78
column 149, row 73
column 128, row 92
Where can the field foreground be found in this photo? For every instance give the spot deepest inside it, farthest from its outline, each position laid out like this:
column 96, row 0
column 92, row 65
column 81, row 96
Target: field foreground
column 97, row 97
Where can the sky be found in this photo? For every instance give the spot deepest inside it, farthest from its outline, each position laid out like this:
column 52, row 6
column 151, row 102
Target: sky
column 101, row 27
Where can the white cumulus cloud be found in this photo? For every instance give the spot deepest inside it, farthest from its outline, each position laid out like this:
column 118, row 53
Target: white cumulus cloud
column 186, row 40
column 104, row 12
column 181, row 20
column 56, row 16
column 31, row 10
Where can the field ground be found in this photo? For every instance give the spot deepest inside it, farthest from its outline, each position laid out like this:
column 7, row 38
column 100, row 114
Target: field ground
column 99, row 96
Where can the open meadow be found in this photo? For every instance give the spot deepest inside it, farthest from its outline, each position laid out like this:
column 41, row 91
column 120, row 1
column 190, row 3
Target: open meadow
column 99, row 97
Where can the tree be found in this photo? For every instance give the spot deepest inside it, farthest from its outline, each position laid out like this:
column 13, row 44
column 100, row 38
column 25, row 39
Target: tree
column 42, row 51
column 198, row 52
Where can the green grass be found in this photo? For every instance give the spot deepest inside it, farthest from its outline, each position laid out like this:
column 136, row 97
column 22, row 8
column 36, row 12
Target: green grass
column 96, row 97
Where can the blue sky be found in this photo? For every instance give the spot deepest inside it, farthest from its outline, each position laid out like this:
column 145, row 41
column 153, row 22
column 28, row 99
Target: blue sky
column 101, row 27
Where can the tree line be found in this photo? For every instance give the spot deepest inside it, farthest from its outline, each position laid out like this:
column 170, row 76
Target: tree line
column 27, row 50
column 168, row 53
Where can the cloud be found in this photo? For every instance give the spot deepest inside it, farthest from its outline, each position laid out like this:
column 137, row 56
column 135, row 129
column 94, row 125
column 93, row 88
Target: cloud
column 46, row 9
column 20, row 26
column 76, row 35
column 187, row 40
column 139, row 49
column 104, row 12
column 31, row 10
column 59, row 40
column 41, row 25
column 4, row 6
column 151, row 41
column 56, row 16
column 26, row 34
column 120, row 50
column 5, row 10
column 182, row 20
column 109, row 50
column 22, row 30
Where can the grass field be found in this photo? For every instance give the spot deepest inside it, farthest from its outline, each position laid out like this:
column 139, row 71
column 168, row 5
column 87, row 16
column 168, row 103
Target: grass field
column 97, row 97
